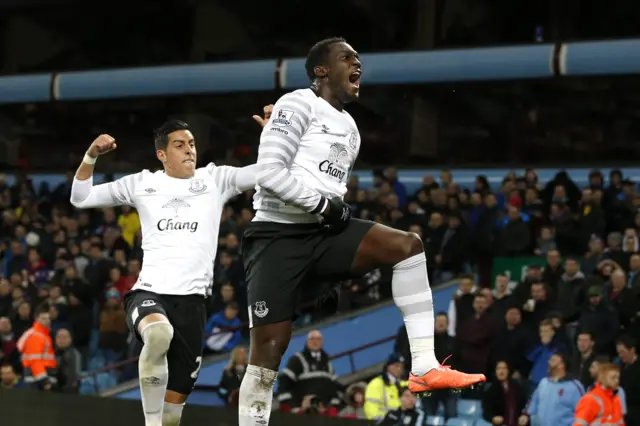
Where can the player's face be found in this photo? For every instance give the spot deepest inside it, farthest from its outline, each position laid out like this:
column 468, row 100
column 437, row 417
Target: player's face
column 179, row 159
column 344, row 71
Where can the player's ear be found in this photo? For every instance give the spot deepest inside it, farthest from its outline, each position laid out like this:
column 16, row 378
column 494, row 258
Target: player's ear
column 320, row 71
column 162, row 156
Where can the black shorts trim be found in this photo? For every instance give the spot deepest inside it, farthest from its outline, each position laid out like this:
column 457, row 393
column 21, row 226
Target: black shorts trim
column 280, row 259
column 187, row 316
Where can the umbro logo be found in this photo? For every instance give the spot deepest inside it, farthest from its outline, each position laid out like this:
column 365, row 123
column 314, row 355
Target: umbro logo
column 149, row 190
column 324, row 129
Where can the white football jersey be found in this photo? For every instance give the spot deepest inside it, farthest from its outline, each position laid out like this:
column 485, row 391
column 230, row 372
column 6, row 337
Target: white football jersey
column 180, row 220
column 307, row 151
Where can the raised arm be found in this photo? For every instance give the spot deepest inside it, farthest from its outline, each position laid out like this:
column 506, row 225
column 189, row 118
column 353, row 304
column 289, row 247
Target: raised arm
column 85, row 195
column 279, row 144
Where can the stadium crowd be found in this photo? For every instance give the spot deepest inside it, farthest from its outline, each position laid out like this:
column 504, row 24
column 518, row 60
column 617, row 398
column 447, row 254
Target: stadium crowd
column 575, row 308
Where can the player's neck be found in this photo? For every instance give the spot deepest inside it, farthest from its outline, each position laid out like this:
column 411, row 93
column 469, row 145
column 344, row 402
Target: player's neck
column 325, row 93
column 170, row 174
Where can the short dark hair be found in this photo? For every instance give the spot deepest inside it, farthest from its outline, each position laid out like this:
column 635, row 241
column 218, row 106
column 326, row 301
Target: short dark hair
column 318, row 54
column 161, row 135
column 627, row 341
column 233, row 305
column 587, row 333
column 43, row 308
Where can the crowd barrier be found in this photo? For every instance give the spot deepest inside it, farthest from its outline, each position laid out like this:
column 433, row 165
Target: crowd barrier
column 32, row 408
column 462, row 65
column 412, row 179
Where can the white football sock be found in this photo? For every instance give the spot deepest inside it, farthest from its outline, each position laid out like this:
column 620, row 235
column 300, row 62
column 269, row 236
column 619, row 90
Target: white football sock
column 171, row 414
column 412, row 295
column 256, row 395
column 153, row 370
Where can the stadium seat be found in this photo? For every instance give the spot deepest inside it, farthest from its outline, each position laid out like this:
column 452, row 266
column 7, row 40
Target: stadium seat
column 106, row 381
column 96, row 363
column 435, row 421
column 460, row 421
column 469, row 408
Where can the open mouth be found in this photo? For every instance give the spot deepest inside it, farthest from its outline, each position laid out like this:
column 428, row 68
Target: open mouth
column 189, row 161
column 354, row 78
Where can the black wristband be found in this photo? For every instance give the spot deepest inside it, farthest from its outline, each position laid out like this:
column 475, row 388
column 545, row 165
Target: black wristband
column 318, row 209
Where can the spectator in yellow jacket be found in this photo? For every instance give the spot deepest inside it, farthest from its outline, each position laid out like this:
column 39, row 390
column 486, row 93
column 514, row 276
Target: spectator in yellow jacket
column 383, row 392
column 129, row 223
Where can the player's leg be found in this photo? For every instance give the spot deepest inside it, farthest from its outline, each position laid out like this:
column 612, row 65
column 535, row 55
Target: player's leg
column 148, row 320
column 371, row 246
column 275, row 266
column 188, row 316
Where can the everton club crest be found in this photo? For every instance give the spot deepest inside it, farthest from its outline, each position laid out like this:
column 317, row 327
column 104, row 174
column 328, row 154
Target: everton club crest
column 197, row 186
column 353, row 139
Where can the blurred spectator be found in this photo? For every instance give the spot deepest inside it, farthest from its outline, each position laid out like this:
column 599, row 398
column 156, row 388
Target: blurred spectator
column 223, row 330
column 8, row 344
column 621, row 298
column 474, row 338
column 232, row 375
column 538, row 306
column 546, row 241
column 556, row 397
column 113, row 328
column 354, row 398
column 502, row 297
column 600, row 319
column 81, row 322
column 407, row 414
column 69, row 362
column 509, row 341
column 583, row 359
column 553, row 271
column 593, row 257
column 630, row 377
column 601, row 405
column 383, row 392
column 516, row 232
column 226, row 294
column 504, row 399
column 570, row 291
column 522, row 291
column 461, row 305
column 452, row 254
column 308, row 381
column 38, row 357
column 444, row 347
column 313, row 406
column 8, row 378
column 540, row 355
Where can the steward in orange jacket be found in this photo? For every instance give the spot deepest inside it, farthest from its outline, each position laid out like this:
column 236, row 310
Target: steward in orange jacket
column 601, row 406
column 38, row 356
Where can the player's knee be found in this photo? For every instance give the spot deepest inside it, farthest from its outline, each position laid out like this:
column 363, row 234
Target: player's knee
column 157, row 338
column 270, row 354
column 411, row 245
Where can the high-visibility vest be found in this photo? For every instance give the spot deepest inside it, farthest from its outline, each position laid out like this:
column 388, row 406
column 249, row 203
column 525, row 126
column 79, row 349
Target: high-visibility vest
column 38, row 356
column 599, row 407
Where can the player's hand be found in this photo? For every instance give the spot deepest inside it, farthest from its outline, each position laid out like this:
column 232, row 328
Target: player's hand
column 267, row 110
column 337, row 214
column 497, row 420
column 523, row 420
column 102, row 145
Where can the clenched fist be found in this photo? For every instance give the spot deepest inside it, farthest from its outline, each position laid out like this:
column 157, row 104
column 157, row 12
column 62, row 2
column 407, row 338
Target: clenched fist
column 102, row 145
column 267, row 110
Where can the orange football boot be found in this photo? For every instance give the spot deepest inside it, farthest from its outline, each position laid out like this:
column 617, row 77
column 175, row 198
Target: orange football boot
column 443, row 377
